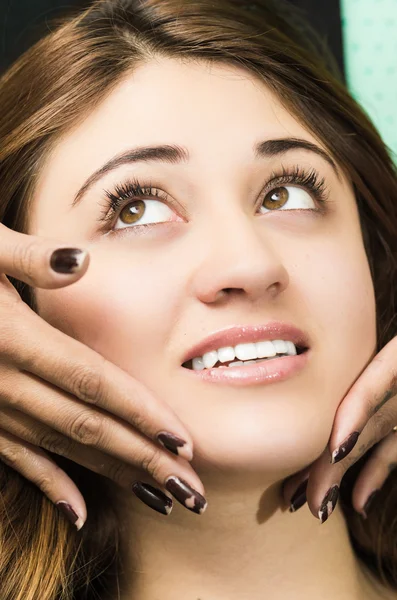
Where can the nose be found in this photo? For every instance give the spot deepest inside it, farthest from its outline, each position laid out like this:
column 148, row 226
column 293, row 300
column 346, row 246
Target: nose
column 240, row 259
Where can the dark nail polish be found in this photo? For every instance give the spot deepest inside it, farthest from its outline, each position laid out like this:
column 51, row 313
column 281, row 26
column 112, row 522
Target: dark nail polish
column 153, row 497
column 186, row 495
column 68, row 512
column 299, row 497
column 174, row 444
column 369, row 502
column 329, row 503
column 67, row 260
column 346, row 446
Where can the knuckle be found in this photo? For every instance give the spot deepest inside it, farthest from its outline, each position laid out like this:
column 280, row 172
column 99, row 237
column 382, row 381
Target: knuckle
column 45, row 482
column 57, row 444
column 151, row 462
column 382, row 424
column 87, row 383
column 87, row 429
column 12, row 455
column 136, row 418
column 11, row 394
column 23, row 258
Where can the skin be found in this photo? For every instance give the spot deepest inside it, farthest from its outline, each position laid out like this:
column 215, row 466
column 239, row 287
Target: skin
column 301, row 266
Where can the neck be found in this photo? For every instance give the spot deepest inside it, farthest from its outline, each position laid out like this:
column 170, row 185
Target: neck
column 246, row 545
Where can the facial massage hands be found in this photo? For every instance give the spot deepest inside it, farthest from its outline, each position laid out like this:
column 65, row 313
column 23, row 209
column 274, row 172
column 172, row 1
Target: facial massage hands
column 59, row 395
column 365, row 417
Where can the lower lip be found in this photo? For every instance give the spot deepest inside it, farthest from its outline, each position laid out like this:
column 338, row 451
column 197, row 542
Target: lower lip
column 268, row 371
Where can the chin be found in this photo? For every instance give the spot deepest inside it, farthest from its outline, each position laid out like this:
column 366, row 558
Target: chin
column 279, row 452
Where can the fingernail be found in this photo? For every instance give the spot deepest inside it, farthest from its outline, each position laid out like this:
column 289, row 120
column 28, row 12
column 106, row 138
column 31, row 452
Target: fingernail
column 70, row 514
column 186, row 495
column 67, row 260
column 175, row 444
column 299, row 497
column 329, row 503
column 346, row 446
column 368, row 503
column 153, row 497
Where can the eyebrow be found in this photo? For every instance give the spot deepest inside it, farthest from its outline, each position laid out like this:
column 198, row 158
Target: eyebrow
column 175, row 154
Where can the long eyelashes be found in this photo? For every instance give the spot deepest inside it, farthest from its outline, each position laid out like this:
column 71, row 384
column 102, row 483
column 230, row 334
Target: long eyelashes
column 133, row 189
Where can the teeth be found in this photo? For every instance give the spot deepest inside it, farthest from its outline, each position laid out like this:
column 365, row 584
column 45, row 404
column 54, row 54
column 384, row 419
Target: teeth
column 291, row 348
column 266, row 349
column 198, row 364
column 245, row 352
column 225, row 354
column 280, row 346
column 210, row 359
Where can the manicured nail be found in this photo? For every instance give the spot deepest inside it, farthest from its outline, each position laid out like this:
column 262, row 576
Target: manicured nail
column 67, row 260
column 153, row 497
column 175, row 444
column 299, row 497
column 186, row 495
column 329, row 503
column 368, row 503
column 70, row 514
column 346, row 446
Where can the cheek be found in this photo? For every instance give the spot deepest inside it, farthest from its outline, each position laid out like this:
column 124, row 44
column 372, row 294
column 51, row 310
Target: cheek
column 343, row 312
column 114, row 309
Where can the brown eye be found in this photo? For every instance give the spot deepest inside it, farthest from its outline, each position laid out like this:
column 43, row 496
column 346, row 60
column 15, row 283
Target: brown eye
column 276, row 198
column 143, row 212
column 132, row 212
column 287, row 198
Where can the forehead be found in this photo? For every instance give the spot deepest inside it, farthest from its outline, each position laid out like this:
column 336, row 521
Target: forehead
column 215, row 107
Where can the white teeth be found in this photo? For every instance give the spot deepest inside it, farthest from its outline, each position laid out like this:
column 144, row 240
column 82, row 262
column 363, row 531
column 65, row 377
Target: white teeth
column 225, row 354
column 280, row 346
column 245, row 351
column 237, row 363
column 266, row 349
column 291, row 348
column 210, row 359
column 198, row 364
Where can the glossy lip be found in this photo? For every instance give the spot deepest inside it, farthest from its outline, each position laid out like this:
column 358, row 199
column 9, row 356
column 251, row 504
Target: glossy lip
column 231, row 336
column 269, row 371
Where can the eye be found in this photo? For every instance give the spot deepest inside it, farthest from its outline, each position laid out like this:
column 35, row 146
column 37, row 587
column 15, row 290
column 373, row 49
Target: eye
column 142, row 212
column 282, row 198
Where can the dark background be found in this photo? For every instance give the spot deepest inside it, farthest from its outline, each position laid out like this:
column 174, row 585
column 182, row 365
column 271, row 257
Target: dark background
column 22, row 22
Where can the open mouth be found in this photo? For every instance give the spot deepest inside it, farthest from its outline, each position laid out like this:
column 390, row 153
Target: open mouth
column 197, row 364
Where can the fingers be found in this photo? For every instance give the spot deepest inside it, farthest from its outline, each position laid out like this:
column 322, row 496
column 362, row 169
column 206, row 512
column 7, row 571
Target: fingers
column 365, row 416
column 373, row 389
column 34, row 464
column 380, row 464
column 30, row 344
column 118, row 446
column 325, row 478
column 31, row 259
column 294, row 489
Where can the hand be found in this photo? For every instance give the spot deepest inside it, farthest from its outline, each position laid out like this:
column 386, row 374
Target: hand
column 57, row 394
column 365, row 417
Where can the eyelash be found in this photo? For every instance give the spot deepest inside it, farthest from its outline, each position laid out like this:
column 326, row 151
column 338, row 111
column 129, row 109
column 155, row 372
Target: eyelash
column 132, row 189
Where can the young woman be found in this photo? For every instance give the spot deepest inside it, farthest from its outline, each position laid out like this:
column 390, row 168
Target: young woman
column 238, row 206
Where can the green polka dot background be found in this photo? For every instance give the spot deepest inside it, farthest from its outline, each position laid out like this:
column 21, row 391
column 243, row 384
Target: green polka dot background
column 369, row 30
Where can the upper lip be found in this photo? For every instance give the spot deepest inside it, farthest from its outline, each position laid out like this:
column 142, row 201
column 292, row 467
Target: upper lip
column 231, row 336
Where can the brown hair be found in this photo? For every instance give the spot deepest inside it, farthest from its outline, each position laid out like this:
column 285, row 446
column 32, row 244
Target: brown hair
column 56, row 84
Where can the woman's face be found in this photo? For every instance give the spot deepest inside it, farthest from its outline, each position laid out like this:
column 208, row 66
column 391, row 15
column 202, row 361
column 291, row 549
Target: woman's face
column 222, row 251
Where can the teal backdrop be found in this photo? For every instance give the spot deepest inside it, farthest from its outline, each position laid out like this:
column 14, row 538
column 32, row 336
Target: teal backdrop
column 369, row 33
